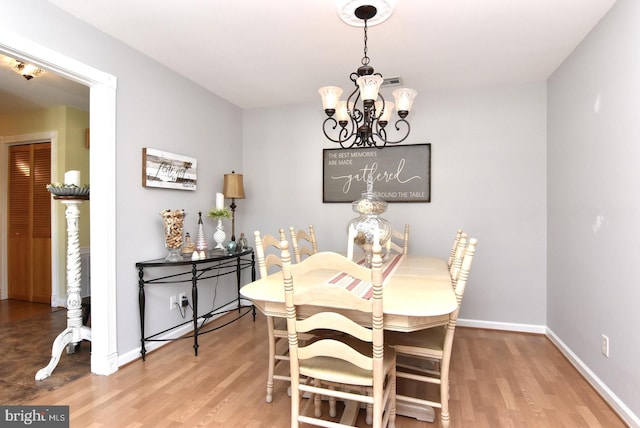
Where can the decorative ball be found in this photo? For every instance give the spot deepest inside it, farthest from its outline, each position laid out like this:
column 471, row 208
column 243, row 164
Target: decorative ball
column 231, row 246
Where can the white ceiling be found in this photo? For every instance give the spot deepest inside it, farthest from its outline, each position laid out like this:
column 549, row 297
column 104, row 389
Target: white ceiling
column 258, row 53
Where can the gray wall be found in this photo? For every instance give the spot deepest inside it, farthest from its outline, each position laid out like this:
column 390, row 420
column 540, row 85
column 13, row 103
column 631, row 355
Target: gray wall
column 593, row 149
column 156, row 108
column 488, row 162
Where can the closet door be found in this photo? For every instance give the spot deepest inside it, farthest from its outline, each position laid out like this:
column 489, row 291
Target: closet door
column 29, row 223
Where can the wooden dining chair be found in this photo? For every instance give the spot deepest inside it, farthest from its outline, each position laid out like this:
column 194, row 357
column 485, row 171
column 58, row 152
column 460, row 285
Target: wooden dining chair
column 432, row 344
column 399, row 241
column 300, row 247
column 336, row 368
column 454, row 247
column 458, row 252
column 268, row 249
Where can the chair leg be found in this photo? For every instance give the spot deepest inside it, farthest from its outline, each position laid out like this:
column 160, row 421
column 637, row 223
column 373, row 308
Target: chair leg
column 332, row 404
column 295, row 403
column 392, row 398
column 445, row 363
column 444, row 402
column 317, row 399
column 272, row 359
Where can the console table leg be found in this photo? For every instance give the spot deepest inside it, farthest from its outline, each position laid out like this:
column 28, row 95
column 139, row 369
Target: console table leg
column 194, row 299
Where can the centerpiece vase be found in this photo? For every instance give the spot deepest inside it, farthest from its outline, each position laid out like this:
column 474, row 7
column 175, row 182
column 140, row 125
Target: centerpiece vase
column 369, row 224
column 219, row 236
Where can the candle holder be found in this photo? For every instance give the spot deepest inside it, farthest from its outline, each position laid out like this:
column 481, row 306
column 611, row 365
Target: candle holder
column 219, row 236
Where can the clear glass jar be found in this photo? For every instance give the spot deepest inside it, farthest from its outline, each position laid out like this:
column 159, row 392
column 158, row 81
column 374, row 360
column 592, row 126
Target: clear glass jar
column 173, row 222
column 369, row 223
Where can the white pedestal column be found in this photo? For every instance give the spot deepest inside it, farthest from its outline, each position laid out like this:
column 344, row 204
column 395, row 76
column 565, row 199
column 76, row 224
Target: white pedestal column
column 75, row 331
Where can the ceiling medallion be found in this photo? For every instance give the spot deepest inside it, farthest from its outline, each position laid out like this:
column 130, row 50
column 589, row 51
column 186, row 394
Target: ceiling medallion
column 347, row 11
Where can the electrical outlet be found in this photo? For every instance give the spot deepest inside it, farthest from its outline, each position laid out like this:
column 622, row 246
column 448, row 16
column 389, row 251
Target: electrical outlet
column 172, row 303
column 184, row 300
column 605, row 346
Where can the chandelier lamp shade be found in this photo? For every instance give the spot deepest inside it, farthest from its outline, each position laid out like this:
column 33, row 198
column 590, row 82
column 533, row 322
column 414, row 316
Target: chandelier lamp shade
column 362, row 120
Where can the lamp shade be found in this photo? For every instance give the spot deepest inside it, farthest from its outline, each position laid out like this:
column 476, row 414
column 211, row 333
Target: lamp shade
column 233, row 186
column 404, row 99
column 369, row 86
column 342, row 113
column 384, row 116
column 330, row 96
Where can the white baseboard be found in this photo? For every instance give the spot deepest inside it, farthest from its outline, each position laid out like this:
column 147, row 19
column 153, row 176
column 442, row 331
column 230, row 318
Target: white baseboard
column 152, row 346
column 493, row 325
column 134, row 354
column 612, row 399
column 616, row 404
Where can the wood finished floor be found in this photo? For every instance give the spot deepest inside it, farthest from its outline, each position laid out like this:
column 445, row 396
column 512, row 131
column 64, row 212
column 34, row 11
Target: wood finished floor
column 498, row 379
column 27, row 332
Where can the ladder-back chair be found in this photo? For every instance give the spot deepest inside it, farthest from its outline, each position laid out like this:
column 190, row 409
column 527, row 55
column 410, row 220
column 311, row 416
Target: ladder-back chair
column 417, row 350
column 335, row 368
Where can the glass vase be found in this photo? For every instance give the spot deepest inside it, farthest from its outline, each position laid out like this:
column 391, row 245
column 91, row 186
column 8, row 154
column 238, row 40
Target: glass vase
column 173, row 221
column 369, row 224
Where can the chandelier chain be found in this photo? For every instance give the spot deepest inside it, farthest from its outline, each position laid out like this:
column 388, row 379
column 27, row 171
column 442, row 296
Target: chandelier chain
column 365, row 58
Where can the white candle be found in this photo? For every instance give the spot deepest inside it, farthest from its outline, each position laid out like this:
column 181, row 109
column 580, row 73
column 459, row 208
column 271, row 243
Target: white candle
column 72, row 177
column 219, row 201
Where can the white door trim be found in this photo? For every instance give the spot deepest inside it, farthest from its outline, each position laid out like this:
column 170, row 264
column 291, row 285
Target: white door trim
column 102, row 122
column 48, row 136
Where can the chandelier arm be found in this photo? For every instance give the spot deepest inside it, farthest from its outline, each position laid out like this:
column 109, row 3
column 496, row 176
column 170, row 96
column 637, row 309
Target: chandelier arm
column 357, row 115
column 356, row 94
column 344, row 134
column 378, row 139
column 408, row 131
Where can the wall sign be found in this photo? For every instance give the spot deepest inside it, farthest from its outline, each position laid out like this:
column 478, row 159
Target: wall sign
column 400, row 173
column 168, row 170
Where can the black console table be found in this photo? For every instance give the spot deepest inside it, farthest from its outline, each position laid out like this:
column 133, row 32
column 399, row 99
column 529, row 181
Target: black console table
column 218, row 263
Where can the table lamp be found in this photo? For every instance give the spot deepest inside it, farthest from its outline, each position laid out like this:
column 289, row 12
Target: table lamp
column 233, row 189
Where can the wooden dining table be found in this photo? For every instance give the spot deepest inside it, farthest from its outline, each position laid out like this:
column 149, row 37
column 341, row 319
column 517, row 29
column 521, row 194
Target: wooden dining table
column 417, row 294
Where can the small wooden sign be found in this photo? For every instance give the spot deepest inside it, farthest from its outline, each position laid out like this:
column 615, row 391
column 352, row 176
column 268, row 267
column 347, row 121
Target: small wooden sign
column 168, row 170
column 400, row 173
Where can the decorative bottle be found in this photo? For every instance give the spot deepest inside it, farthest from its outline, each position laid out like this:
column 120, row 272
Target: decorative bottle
column 242, row 243
column 202, row 245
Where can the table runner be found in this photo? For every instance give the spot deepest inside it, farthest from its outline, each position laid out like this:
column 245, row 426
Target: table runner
column 364, row 289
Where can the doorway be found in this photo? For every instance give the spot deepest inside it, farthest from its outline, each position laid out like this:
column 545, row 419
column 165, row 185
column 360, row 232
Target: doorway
column 104, row 354
column 29, row 223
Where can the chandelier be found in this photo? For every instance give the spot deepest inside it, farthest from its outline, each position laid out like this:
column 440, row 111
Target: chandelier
column 365, row 124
